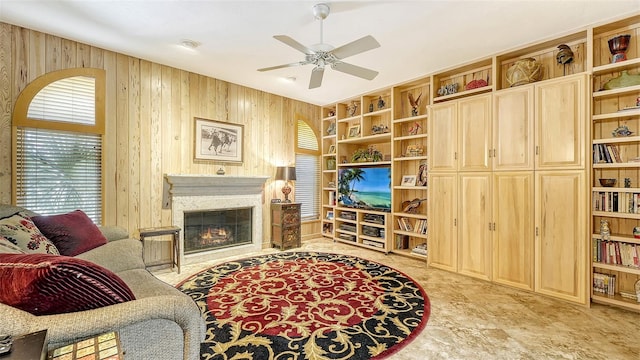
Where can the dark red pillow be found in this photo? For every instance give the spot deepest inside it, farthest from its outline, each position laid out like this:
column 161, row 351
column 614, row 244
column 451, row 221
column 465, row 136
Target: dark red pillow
column 72, row 233
column 45, row 284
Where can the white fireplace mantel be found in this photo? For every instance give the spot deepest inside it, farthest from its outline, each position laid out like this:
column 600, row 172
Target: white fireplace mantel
column 183, row 193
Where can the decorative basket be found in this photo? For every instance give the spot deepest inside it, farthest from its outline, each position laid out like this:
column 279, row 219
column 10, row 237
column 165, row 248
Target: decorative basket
column 524, row 71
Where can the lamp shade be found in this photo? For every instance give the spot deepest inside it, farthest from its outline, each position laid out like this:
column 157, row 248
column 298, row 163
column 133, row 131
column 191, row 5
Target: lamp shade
column 286, row 173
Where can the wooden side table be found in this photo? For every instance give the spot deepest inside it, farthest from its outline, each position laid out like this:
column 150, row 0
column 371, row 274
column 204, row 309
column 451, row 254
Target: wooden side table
column 165, row 230
column 285, row 225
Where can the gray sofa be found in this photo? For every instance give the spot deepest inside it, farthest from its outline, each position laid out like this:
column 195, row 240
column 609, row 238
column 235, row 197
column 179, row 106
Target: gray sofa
column 162, row 323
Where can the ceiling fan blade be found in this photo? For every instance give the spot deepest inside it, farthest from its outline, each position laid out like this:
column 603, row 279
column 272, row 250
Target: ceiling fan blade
column 285, row 66
column 355, row 70
column 294, row 44
column 316, row 77
column 355, row 47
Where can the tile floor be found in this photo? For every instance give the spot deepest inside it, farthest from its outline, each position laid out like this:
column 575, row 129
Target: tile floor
column 474, row 319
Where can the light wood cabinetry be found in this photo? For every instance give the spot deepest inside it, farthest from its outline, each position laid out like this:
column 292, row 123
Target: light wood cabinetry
column 329, row 170
column 513, row 136
column 560, row 123
column 613, row 256
column 513, row 229
column 474, row 133
column 443, row 229
column 443, row 127
column 474, row 227
column 560, row 232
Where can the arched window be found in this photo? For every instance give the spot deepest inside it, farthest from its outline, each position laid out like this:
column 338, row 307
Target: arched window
column 307, row 171
column 58, row 125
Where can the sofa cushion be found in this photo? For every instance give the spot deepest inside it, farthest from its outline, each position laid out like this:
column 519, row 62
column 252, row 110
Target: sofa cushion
column 117, row 256
column 20, row 230
column 7, row 247
column 45, row 284
column 72, row 233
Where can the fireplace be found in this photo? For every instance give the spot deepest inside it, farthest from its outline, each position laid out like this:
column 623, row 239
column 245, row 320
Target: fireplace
column 217, row 229
column 215, row 234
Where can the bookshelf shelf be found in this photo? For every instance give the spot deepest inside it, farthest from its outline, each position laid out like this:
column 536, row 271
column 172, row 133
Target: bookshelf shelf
column 619, row 237
column 616, row 115
column 616, row 215
column 619, row 268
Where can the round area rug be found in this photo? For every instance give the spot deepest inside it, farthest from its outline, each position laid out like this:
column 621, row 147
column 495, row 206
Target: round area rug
column 306, row 305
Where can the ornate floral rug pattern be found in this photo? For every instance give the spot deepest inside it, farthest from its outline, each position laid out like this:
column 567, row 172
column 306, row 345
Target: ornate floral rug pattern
column 306, row 305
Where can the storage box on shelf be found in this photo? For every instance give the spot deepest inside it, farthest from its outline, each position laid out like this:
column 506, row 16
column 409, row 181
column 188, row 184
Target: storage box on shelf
column 329, row 169
column 409, row 150
column 616, row 155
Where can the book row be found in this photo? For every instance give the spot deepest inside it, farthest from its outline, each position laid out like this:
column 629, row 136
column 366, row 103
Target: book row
column 616, row 253
column 420, row 226
column 614, row 201
column 606, row 153
column 604, row 284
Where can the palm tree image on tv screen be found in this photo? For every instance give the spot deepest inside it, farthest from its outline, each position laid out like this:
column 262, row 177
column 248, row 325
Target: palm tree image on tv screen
column 366, row 188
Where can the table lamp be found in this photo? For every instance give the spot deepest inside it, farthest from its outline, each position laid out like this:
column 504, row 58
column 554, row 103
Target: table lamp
column 286, row 173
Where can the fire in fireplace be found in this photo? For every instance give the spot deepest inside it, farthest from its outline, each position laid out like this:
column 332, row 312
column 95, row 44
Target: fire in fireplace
column 215, row 229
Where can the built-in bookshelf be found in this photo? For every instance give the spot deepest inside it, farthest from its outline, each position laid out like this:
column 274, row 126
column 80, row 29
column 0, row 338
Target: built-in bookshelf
column 615, row 210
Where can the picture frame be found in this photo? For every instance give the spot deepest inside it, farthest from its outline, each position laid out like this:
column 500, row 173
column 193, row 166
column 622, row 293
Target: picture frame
column 218, row 141
column 354, row 131
column 332, row 149
column 330, row 215
column 408, row 180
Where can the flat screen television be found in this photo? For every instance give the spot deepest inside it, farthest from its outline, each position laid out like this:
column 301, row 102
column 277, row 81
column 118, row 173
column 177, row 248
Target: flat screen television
column 365, row 188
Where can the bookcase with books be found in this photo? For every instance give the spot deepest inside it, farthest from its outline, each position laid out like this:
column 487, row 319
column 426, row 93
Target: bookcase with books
column 615, row 203
column 329, row 170
column 410, row 167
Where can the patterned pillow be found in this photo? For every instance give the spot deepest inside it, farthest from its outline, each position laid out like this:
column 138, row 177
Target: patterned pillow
column 72, row 233
column 7, row 247
column 22, row 232
column 45, row 284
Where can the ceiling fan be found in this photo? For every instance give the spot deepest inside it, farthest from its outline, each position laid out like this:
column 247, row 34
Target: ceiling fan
column 323, row 54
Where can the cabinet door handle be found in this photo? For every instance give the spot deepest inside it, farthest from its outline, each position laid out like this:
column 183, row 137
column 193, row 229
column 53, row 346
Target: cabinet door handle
column 537, row 233
column 455, row 155
column 537, row 150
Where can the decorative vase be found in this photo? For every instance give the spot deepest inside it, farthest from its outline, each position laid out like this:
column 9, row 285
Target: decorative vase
column 524, row 71
column 625, row 79
column 618, row 47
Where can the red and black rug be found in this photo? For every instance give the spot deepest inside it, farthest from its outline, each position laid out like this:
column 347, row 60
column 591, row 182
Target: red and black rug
column 306, row 305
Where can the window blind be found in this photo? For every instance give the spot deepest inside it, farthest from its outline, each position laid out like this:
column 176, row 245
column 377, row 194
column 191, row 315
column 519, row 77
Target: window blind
column 58, row 172
column 67, row 100
column 307, row 185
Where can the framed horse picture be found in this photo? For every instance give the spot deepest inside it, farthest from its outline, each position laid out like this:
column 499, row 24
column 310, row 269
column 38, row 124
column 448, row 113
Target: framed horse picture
column 218, row 141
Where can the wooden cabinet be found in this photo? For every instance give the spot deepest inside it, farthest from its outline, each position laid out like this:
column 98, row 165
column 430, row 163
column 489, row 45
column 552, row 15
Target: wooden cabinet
column 285, row 225
column 560, row 254
column 513, row 229
column 560, row 123
column 513, row 134
column 474, row 225
column 460, row 134
column 474, row 133
column 443, row 129
column 442, row 222
column 329, row 173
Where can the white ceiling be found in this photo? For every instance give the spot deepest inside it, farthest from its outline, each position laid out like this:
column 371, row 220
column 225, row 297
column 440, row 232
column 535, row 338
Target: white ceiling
column 417, row 37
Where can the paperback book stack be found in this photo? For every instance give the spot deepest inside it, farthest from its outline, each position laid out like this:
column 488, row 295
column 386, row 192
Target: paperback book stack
column 420, row 249
column 604, row 284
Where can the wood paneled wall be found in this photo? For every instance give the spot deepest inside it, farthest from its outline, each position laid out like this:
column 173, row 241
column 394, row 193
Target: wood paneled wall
column 149, row 124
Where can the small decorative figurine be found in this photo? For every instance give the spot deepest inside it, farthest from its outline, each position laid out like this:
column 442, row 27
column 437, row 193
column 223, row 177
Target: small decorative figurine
column 380, row 103
column 371, row 107
column 220, row 171
column 448, row 89
column 627, row 182
column 621, row 131
column 564, row 57
column 638, row 101
column 636, row 232
column 605, row 232
column 415, row 104
column 352, row 108
column 414, row 129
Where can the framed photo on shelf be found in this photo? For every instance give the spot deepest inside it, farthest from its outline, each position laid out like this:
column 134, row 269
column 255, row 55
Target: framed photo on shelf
column 354, row 131
column 408, row 180
column 332, row 149
column 218, row 141
column 329, row 215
